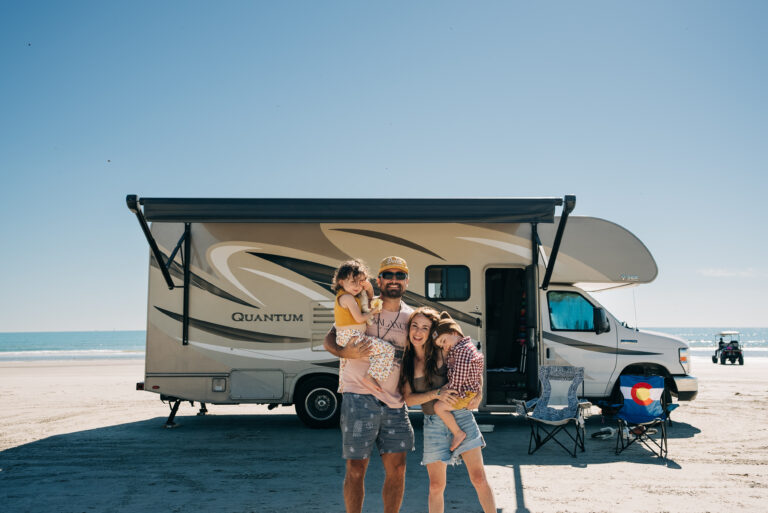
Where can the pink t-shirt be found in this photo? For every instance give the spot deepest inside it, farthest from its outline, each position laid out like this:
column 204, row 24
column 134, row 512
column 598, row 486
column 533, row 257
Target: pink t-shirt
column 392, row 327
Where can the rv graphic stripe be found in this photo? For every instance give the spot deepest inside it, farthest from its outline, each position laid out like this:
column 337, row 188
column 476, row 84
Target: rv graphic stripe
column 388, row 238
column 177, row 272
column 234, row 333
column 318, row 273
column 322, row 274
column 331, row 365
column 417, row 300
column 586, row 346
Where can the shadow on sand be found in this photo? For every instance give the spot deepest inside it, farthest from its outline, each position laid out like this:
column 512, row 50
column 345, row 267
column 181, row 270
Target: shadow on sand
column 251, row 463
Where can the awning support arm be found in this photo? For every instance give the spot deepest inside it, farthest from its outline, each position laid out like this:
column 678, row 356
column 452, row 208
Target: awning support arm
column 187, row 257
column 176, row 250
column 568, row 206
column 537, row 242
column 133, row 205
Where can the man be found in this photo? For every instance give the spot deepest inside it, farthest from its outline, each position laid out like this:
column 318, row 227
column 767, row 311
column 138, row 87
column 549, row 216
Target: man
column 371, row 417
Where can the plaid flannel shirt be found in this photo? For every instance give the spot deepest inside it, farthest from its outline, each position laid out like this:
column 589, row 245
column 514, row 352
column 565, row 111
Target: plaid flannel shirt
column 465, row 367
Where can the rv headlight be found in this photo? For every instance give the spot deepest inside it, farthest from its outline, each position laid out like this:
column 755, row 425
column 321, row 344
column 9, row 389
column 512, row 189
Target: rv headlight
column 685, row 359
column 219, row 385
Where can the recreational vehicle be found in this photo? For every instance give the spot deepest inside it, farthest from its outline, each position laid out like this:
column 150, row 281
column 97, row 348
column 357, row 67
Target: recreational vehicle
column 240, row 294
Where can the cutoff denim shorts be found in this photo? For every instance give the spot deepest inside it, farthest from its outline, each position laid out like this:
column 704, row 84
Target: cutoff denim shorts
column 365, row 420
column 437, row 438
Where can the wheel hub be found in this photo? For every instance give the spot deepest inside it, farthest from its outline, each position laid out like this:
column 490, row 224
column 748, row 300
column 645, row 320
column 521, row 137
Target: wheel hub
column 321, row 404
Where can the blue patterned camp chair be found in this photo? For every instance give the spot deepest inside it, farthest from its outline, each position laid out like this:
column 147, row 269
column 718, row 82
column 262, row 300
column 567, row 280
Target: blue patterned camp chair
column 558, row 408
column 643, row 416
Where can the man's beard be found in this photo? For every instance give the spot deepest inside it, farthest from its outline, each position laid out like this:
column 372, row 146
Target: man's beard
column 393, row 293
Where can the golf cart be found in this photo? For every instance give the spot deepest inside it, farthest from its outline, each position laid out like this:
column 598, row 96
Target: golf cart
column 728, row 348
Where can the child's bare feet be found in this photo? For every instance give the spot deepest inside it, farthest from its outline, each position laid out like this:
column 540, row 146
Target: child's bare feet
column 371, row 382
column 457, row 439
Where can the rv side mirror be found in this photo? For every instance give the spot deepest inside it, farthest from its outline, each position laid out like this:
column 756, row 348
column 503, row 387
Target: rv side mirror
column 600, row 321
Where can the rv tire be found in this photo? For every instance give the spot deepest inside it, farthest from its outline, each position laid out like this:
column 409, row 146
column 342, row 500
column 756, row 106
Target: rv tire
column 318, row 405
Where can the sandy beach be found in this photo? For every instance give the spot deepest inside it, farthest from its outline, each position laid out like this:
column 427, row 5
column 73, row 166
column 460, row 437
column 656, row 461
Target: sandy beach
column 75, row 436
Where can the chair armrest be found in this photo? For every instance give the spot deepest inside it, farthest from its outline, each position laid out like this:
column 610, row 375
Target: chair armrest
column 585, row 408
column 520, row 406
column 530, row 404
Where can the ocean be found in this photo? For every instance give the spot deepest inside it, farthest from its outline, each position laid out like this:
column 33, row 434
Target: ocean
column 84, row 345
column 703, row 341
column 72, row 345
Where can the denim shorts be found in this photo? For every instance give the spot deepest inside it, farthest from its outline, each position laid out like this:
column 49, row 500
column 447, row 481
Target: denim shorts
column 365, row 420
column 437, row 438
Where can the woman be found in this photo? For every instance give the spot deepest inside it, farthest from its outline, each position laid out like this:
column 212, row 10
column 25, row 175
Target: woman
column 422, row 382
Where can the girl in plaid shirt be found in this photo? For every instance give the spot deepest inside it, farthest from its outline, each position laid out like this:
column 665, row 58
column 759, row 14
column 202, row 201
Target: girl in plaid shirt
column 465, row 371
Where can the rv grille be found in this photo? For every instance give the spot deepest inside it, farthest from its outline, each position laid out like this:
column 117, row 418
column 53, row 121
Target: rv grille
column 322, row 319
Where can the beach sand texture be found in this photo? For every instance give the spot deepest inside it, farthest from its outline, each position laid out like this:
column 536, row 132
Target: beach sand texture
column 76, row 436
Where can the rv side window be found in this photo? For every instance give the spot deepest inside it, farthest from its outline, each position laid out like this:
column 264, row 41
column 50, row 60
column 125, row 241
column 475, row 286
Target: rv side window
column 570, row 311
column 448, row 282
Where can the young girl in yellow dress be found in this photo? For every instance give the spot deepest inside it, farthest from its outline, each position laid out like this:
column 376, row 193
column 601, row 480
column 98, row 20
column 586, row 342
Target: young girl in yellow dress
column 351, row 314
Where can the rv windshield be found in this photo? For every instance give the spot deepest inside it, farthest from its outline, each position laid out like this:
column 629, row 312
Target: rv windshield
column 570, row 311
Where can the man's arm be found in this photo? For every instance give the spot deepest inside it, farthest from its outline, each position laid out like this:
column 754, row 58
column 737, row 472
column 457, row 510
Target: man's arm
column 351, row 351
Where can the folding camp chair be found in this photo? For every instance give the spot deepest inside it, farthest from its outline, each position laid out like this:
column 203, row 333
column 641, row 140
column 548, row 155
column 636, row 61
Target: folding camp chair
column 644, row 414
column 557, row 408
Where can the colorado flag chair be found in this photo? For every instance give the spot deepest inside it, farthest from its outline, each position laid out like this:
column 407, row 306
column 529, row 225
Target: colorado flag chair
column 558, row 408
column 643, row 416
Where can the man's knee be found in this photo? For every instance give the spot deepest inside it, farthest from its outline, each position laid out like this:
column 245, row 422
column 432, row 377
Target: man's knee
column 394, row 465
column 397, row 470
column 356, row 469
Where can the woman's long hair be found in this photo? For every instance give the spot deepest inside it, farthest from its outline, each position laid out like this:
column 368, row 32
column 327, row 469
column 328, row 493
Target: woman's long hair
column 408, row 370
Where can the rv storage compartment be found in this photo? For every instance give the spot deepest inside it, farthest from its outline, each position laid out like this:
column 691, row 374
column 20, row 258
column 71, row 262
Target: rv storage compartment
column 256, row 384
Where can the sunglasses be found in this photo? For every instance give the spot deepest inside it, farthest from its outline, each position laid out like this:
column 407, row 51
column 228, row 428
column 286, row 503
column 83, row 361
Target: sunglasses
column 389, row 275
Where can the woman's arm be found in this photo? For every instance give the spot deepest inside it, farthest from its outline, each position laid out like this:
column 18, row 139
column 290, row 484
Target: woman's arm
column 474, row 403
column 441, row 394
column 413, row 398
column 477, row 377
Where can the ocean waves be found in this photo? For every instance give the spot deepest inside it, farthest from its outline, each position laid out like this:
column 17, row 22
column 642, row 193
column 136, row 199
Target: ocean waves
column 94, row 354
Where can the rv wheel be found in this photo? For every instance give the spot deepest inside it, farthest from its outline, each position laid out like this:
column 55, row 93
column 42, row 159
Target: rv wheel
column 317, row 403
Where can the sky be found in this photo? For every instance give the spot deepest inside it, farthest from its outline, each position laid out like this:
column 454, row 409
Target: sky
column 653, row 114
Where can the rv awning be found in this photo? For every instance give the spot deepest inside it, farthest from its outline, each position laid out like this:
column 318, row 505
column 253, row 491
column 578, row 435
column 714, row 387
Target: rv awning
column 598, row 254
column 278, row 210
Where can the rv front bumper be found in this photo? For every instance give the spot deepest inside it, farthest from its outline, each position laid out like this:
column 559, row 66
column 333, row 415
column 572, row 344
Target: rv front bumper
column 687, row 387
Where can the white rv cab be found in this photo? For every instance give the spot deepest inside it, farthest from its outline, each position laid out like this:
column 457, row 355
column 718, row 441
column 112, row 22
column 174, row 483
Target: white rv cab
column 240, row 294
